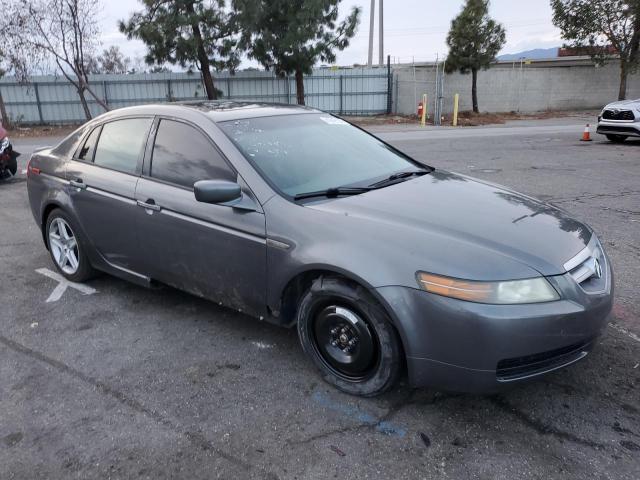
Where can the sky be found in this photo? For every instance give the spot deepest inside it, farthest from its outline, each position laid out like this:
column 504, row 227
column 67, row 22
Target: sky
column 415, row 30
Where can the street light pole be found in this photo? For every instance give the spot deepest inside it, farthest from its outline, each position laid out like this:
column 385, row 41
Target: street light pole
column 371, row 25
column 381, row 35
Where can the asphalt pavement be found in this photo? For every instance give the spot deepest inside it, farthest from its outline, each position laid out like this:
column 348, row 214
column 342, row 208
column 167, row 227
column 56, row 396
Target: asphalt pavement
column 117, row 381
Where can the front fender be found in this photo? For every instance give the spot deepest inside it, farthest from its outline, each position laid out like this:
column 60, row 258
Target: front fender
column 294, row 250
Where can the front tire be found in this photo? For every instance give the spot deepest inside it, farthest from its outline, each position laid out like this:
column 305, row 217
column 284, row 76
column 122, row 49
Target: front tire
column 67, row 247
column 616, row 138
column 349, row 337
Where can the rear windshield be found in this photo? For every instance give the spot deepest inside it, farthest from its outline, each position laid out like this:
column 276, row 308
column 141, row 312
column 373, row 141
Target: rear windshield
column 310, row 152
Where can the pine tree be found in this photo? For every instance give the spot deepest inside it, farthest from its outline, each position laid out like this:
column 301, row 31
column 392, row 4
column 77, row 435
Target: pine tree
column 190, row 33
column 474, row 41
column 291, row 36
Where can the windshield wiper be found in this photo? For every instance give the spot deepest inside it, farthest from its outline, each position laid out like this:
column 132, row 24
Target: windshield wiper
column 333, row 192
column 339, row 191
column 391, row 179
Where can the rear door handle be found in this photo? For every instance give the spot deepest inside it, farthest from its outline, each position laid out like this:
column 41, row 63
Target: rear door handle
column 79, row 184
column 149, row 206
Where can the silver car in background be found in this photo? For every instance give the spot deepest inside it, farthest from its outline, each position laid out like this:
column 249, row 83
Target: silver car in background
column 620, row 120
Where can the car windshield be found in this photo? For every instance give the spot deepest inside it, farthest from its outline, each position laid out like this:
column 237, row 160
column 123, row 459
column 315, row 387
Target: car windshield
column 314, row 152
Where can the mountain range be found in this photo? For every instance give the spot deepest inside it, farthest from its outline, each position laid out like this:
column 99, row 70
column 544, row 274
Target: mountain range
column 531, row 54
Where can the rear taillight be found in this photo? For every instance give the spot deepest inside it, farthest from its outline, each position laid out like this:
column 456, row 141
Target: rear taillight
column 31, row 169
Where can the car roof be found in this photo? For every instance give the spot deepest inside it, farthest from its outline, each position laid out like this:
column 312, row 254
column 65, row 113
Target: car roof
column 219, row 110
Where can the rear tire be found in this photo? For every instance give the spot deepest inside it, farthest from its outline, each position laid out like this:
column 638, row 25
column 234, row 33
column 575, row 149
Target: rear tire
column 13, row 166
column 67, row 247
column 349, row 337
column 616, row 138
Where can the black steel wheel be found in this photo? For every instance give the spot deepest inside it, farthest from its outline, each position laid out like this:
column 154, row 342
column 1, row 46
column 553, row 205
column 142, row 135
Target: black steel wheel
column 345, row 342
column 349, row 337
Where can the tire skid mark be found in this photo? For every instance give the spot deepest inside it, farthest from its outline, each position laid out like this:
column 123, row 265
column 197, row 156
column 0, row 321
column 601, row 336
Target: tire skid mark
column 542, row 428
column 196, row 438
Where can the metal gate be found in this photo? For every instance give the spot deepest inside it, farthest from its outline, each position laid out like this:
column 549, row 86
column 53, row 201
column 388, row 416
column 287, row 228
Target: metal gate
column 53, row 100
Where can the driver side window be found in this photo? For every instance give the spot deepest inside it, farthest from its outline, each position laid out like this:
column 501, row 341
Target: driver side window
column 183, row 155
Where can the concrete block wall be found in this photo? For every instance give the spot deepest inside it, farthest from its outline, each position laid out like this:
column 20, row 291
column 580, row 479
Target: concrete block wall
column 507, row 87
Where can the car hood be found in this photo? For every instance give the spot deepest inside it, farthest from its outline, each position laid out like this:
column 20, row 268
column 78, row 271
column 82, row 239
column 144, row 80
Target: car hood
column 459, row 226
column 624, row 104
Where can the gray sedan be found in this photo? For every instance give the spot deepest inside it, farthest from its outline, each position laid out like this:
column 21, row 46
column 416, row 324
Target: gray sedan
column 298, row 218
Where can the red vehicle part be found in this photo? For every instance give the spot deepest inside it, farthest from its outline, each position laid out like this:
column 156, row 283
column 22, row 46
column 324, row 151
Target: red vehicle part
column 8, row 162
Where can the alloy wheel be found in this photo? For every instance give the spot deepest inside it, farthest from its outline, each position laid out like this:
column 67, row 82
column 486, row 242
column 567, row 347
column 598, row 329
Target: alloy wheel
column 64, row 246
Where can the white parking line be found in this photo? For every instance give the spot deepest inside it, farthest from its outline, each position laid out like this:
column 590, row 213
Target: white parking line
column 625, row 332
column 63, row 284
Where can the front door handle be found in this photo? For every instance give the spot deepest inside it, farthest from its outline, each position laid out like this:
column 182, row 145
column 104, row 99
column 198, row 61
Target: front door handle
column 148, row 205
column 78, row 183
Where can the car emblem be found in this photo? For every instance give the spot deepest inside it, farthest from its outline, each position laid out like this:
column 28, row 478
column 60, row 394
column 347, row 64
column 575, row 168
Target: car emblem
column 597, row 268
column 616, row 111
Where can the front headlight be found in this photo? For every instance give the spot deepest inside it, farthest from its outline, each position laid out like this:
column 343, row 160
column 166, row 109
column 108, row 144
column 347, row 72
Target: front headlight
column 531, row 290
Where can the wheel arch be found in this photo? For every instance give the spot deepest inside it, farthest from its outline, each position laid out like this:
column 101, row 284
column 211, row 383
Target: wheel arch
column 46, row 211
column 292, row 291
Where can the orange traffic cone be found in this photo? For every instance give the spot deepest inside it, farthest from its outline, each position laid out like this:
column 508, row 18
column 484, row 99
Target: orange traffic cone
column 586, row 135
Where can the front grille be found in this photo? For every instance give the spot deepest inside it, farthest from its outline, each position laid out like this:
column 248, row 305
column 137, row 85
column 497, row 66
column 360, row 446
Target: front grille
column 589, row 268
column 617, row 130
column 626, row 115
column 517, row 368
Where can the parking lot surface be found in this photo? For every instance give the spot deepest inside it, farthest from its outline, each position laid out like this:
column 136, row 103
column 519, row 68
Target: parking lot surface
column 116, row 381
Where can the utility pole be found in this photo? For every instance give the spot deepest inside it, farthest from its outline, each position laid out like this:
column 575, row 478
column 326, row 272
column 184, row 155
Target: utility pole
column 381, row 34
column 371, row 25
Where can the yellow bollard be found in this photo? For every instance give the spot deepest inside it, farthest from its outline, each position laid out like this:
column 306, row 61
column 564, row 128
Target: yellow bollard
column 423, row 120
column 456, row 99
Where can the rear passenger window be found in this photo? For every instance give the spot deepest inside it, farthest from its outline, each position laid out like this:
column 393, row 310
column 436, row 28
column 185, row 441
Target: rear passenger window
column 67, row 146
column 183, row 155
column 86, row 152
column 120, row 144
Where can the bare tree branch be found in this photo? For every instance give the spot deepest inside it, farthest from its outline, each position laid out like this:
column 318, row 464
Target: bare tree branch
column 64, row 31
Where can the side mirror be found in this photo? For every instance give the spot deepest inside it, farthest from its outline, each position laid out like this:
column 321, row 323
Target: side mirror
column 216, row 191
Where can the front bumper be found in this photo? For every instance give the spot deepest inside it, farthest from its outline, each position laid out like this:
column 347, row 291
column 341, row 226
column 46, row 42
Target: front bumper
column 606, row 127
column 470, row 347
